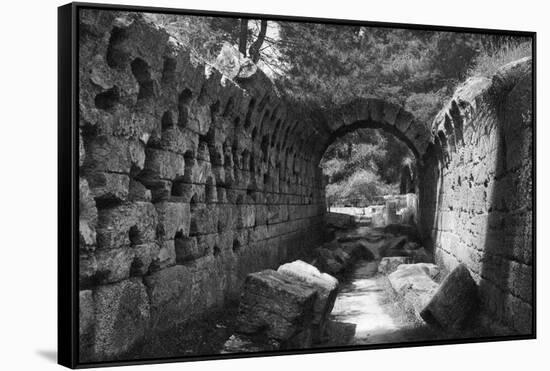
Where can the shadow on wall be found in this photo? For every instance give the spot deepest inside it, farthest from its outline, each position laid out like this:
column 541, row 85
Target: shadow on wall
column 507, row 262
column 477, row 191
column 429, row 191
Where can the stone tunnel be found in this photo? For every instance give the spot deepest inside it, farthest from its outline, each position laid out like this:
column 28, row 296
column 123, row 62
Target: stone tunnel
column 190, row 180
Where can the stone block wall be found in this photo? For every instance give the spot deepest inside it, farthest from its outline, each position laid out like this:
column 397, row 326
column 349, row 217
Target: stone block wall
column 477, row 194
column 188, row 182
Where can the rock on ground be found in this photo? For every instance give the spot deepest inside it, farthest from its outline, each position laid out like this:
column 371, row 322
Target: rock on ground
column 358, row 250
column 327, row 261
column 277, row 305
column 414, row 285
column 455, row 301
column 325, row 285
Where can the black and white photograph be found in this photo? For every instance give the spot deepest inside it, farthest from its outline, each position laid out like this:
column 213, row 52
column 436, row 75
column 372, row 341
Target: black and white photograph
column 252, row 185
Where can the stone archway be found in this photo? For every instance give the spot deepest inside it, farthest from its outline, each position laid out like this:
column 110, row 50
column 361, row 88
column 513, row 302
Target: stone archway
column 373, row 113
column 376, row 113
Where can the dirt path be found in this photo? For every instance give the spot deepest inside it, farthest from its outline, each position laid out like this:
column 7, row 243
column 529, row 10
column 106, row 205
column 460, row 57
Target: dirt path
column 371, row 313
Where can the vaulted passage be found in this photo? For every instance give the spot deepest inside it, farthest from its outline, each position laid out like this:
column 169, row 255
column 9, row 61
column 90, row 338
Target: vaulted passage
column 189, row 181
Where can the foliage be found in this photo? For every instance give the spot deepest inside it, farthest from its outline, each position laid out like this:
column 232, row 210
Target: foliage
column 364, row 163
column 363, row 185
column 494, row 56
column 324, row 65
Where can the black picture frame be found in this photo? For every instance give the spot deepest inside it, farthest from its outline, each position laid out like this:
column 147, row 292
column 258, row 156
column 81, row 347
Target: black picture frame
column 68, row 190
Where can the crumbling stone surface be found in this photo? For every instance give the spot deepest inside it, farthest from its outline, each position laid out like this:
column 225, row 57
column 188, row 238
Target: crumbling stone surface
column 325, row 285
column 476, row 187
column 414, row 285
column 278, row 304
column 455, row 302
column 121, row 317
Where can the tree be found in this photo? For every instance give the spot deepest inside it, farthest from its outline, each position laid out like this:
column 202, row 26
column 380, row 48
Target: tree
column 254, row 51
column 243, row 36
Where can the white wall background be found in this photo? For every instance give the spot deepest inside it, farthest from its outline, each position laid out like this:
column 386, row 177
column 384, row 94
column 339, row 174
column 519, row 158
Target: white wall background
column 28, row 186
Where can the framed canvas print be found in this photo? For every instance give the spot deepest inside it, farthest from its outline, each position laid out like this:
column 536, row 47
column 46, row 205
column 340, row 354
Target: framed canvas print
column 236, row 185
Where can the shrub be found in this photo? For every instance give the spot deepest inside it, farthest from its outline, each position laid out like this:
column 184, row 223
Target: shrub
column 492, row 57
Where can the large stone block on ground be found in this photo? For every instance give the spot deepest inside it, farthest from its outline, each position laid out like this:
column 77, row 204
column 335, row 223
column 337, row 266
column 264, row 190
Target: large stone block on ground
column 279, row 305
column 414, row 285
column 455, row 302
column 121, row 317
column 358, row 250
column 327, row 262
column 325, row 285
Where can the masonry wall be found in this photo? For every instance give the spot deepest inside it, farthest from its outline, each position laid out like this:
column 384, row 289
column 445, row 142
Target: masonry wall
column 476, row 182
column 188, row 182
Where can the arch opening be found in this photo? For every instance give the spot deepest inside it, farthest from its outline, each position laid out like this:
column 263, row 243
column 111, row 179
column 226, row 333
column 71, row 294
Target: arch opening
column 371, row 172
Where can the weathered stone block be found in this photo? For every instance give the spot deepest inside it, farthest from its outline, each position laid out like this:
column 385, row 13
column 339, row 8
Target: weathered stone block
column 207, row 244
column 113, row 154
column 204, row 220
column 276, row 304
column 173, row 217
column 87, row 235
column 358, row 250
column 166, row 256
column 261, row 214
column 327, row 262
column 138, row 192
column 127, row 224
column 246, row 216
column 109, row 186
column 413, row 285
column 87, row 269
column 86, row 320
column 170, row 293
column 86, row 205
column 113, row 265
column 160, row 164
column 455, row 302
column 121, row 317
column 325, row 285
column 144, row 255
column 181, row 292
column 226, row 217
